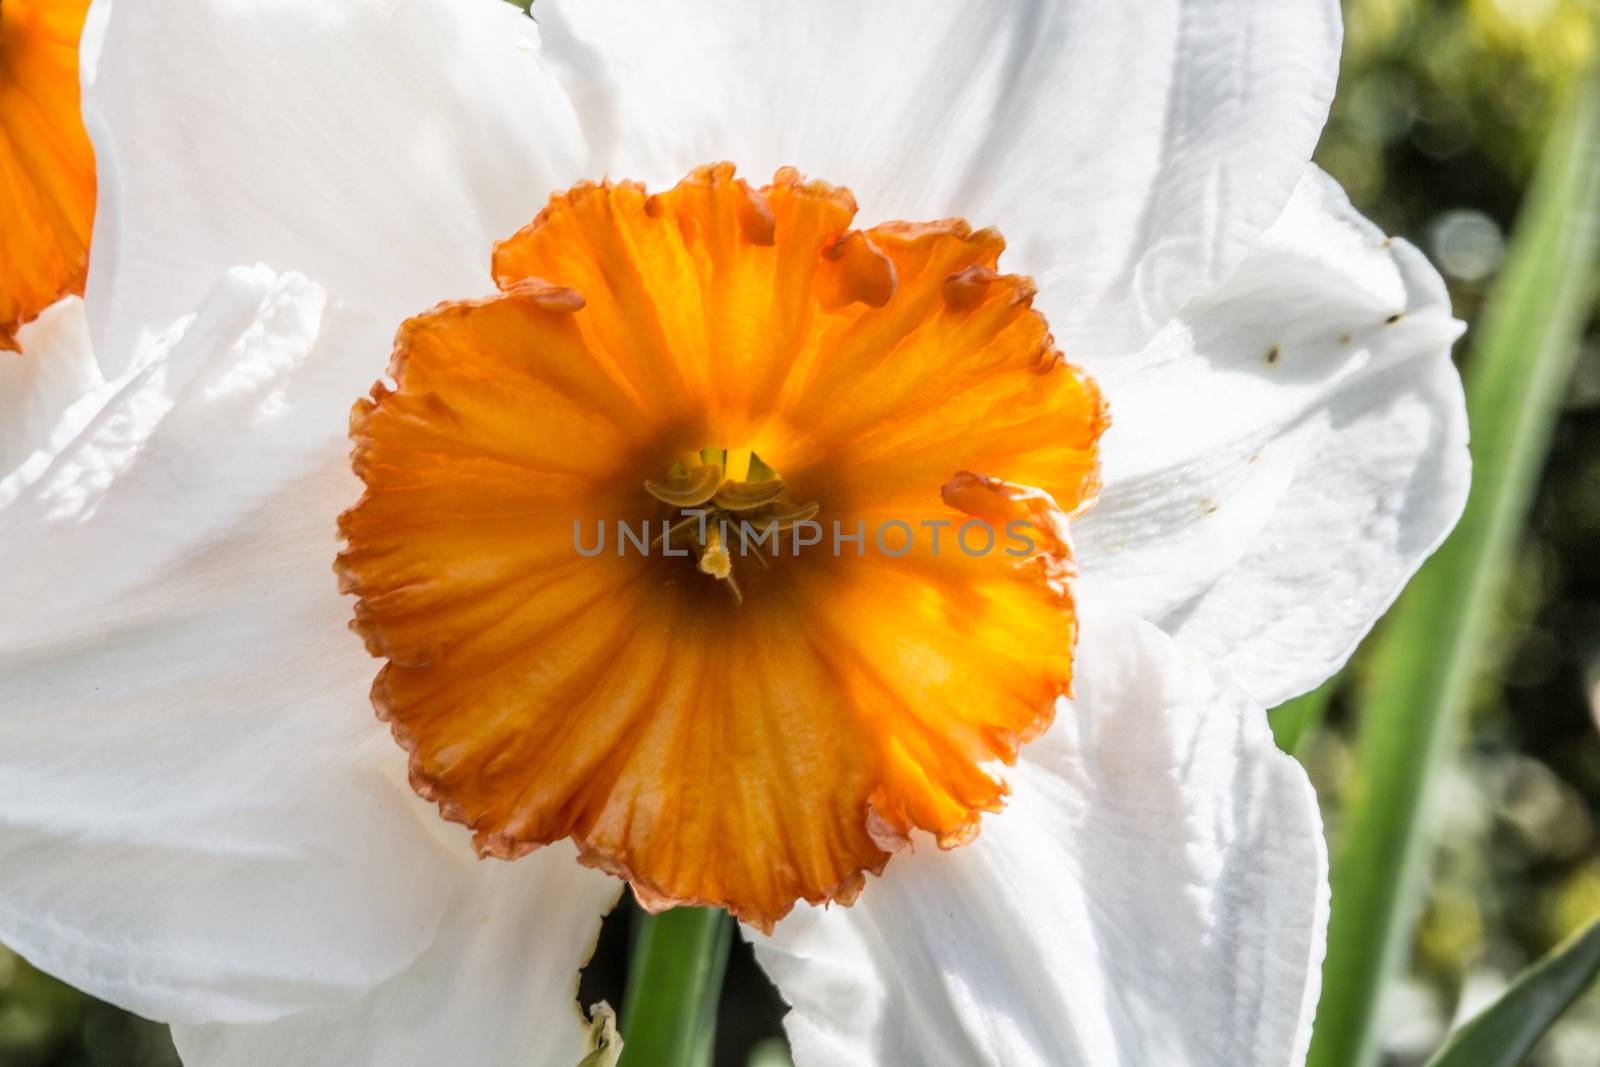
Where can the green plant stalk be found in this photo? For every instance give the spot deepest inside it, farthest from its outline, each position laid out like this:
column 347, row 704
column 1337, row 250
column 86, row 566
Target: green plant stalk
column 1296, row 722
column 1434, row 642
column 669, row 1012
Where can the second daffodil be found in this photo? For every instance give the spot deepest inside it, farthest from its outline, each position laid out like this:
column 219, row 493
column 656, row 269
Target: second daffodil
column 47, row 194
column 892, row 535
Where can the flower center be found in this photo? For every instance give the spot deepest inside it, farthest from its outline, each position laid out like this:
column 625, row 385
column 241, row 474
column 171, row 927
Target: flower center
column 708, row 717
column 718, row 499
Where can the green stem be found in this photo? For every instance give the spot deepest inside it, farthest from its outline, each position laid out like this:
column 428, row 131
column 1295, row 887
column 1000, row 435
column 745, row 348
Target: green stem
column 1436, row 642
column 669, row 1013
column 1295, row 722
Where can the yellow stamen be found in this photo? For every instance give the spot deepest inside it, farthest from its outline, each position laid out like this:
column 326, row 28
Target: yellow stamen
column 711, row 501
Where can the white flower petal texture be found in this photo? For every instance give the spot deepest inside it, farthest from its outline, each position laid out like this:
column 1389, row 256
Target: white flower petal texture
column 1286, row 453
column 36, row 391
column 201, row 821
column 1155, row 893
column 1131, row 153
column 379, row 147
column 496, row 987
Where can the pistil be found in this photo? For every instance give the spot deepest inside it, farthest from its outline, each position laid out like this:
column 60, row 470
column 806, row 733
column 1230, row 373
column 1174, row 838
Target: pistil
column 707, row 504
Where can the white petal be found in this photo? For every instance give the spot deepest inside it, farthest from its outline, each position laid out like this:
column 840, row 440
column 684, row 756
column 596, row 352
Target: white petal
column 55, row 368
column 1130, row 152
column 497, row 988
column 1155, row 895
column 202, row 818
column 1283, row 456
column 378, row 146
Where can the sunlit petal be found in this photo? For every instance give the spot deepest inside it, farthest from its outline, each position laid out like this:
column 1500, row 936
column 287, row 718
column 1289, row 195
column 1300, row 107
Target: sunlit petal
column 1287, row 453
column 1154, row 895
column 379, row 147
column 177, row 705
column 497, row 987
column 1133, row 152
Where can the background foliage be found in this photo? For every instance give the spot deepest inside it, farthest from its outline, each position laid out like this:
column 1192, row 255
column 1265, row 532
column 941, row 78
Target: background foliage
column 1441, row 113
column 1441, row 110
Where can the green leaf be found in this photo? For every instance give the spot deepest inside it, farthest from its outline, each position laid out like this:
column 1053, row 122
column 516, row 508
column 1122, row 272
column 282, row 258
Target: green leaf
column 669, row 1013
column 1435, row 642
column 1505, row 1032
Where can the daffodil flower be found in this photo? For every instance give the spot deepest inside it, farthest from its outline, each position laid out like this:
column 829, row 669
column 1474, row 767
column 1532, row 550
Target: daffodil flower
column 47, row 193
column 1016, row 805
column 46, row 169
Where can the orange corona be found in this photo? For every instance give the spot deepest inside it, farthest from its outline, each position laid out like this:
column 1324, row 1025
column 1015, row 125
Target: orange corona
column 718, row 725
column 47, row 183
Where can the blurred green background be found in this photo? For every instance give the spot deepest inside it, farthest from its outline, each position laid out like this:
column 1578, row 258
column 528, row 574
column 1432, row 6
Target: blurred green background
column 1441, row 111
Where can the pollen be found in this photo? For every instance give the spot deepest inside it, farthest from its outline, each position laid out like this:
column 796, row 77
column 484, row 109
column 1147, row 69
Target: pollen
column 47, row 179
column 776, row 673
